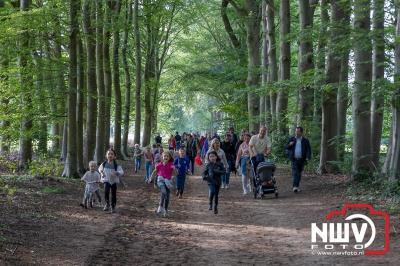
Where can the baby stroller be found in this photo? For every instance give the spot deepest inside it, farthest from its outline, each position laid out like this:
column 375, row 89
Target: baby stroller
column 264, row 180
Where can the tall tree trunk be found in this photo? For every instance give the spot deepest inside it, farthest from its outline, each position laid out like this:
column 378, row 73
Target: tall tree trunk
column 90, row 33
column 393, row 155
column 253, row 20
column 116, row 81
column 305, row 63
column 319, row 76
column 25, row 141
column 107, row 74
column 342, row 97
column 41, row 96
column 378, row 79
column 273, row 65
column 138, row 72
column 64, row 142
column 362, row 89
column 328, row 155
column 57, row 130
column 100, row 130
column 128, row 21
column 80, row 106
column 71, row 164
column 265, row 114
column 149, row 82
column 284, row 68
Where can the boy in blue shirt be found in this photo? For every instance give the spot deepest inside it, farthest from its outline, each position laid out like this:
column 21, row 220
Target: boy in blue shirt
column 181, row 164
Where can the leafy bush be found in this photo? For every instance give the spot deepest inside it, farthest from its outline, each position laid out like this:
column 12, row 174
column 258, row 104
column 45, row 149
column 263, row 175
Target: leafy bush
column 45, row 167
column 9, row 163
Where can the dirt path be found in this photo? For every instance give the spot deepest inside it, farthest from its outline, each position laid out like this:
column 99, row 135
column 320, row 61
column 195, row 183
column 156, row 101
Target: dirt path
column 53, row 230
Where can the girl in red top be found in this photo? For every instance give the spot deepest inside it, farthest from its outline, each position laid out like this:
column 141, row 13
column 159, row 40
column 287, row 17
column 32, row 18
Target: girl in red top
column 164, row 171
column 172, row 143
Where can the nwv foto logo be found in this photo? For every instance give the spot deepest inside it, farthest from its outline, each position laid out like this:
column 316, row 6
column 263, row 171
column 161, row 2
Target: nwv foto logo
column 336, row 235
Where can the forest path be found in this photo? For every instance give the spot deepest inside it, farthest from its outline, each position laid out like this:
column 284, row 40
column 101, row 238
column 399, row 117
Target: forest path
column 246, row 231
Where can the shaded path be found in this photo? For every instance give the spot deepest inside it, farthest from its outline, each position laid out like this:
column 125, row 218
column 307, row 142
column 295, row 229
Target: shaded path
column 53, row 230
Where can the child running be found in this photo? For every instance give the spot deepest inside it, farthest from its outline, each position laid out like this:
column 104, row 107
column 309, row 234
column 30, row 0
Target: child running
column 164, row 171
column 181, row 164
column 212, row 174
column 148, row 158
column 137, row 154
column 92, row 180
column 111, row 174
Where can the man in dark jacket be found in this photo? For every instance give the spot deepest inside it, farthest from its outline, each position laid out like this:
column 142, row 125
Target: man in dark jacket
column 298, row 150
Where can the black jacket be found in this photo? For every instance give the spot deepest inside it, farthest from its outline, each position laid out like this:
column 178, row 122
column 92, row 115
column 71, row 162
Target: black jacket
column 305, row 149
column 213, row 172
column 229, row 150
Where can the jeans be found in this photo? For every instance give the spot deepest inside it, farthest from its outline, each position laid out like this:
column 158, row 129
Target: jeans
column 149, row 168
column 227, row 175
column 256, row 160
column 297, row 168
column 164, row 196
column 180, row 183
column 191, row 160
column 213, row 191
column 113, row 188
column 245, row 175
column 137, row 164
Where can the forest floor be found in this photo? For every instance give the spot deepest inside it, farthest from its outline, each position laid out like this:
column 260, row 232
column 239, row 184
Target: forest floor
column 41, row 223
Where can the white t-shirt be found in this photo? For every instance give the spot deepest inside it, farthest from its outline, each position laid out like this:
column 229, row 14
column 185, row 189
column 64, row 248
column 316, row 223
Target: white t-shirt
column 259, row 144
column 92, row 180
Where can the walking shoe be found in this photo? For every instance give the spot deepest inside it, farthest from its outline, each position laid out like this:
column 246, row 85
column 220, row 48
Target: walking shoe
column 83, row 205
column 223, row 186
column 112, row 209
column 106, row 207
column 295, row 189
column 177, row 193
column 215, row 209
column 180, row 196
column 227, row 186
column 210, row 207
column 160, row 210
column 165, row 213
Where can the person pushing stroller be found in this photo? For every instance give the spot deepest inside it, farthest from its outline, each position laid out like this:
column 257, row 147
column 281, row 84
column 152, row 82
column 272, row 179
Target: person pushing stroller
column 260, row 146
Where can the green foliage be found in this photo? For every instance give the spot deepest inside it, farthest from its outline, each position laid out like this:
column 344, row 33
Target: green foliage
column 377, row 190
column 7, row 188
column 45, row 167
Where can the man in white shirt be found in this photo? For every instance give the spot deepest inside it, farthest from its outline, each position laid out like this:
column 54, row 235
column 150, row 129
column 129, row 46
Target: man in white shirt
column 260, row 146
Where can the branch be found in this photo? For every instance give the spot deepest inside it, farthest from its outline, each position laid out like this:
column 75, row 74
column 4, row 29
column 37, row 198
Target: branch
column 227, row 24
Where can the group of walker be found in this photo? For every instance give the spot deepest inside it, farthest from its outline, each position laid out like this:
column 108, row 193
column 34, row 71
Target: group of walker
column 220, row 158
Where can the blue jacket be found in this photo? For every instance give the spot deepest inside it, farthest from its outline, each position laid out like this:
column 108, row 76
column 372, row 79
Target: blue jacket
column 305, row 149
column 182, row 165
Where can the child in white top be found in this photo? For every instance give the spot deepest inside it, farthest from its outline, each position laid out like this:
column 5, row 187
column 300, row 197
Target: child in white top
column 92, row 180
column 111, row 174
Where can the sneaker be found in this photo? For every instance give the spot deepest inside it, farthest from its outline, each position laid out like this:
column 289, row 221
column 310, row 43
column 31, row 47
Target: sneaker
column 210, row 207
column 165, row 213
column 106, row 208
column 82, row 205
column 177, row 193
column 160, row 210
column 215, row 209
column 180, row 196
column 295, row 189
column 223, row 186
column 112, row 209
column 227, row 186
